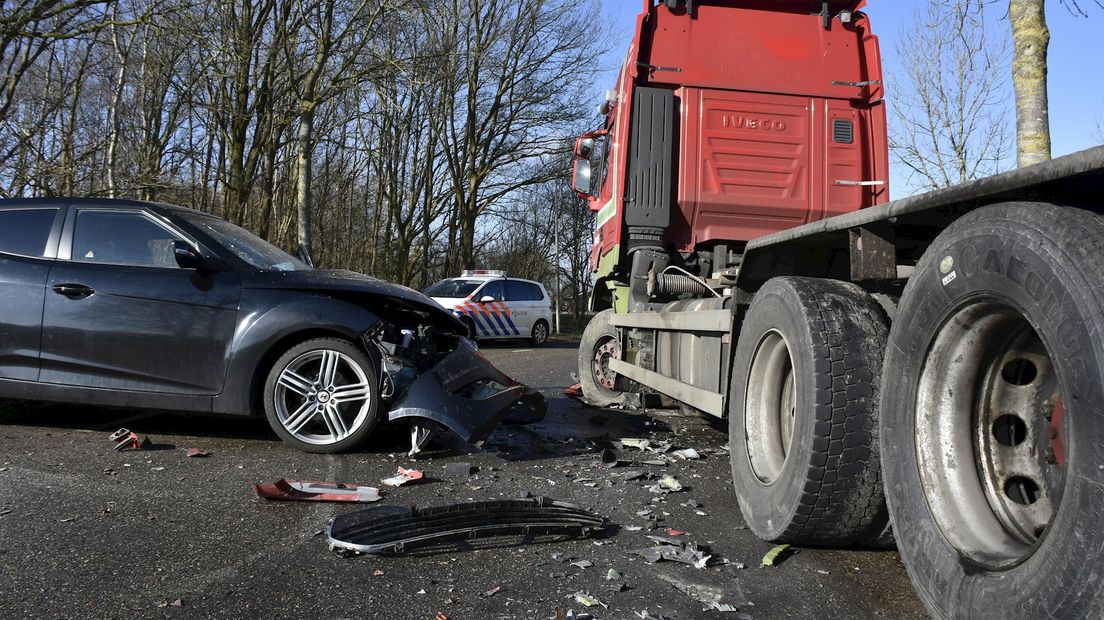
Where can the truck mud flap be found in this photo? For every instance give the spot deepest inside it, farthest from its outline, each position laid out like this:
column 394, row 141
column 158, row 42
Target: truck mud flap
column 396, row 529
column 467, row 394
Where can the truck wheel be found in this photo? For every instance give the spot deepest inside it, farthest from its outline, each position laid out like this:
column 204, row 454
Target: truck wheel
column 600, row 343
column 991, row 427
column 803, row 413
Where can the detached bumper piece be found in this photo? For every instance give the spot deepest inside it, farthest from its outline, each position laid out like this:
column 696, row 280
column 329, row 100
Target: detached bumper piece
column 311, row 491
column 467, row 394
column 396, row 529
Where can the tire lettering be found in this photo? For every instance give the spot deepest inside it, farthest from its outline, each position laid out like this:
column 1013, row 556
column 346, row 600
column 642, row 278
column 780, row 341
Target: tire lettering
column 1016, row 270
column 992, row 262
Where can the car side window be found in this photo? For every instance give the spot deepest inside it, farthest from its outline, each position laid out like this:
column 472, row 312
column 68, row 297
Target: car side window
column 122, row 238
column 535, row 293
column 516, row 291
column 26, row 231
column 494, row 289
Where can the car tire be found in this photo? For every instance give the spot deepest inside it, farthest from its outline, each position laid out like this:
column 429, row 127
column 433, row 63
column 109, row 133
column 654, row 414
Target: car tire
column 600, row 342
column 803, row 413
column 993, row 398
column 539, row 336
column 302, row 407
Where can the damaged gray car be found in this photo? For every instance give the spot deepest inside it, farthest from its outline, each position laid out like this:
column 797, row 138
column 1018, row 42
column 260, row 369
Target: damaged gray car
column 138, row 304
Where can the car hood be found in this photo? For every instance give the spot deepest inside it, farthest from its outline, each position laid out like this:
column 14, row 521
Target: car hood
column 381, row 296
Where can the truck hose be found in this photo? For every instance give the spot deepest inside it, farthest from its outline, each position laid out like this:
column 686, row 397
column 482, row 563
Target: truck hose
column 674, row 284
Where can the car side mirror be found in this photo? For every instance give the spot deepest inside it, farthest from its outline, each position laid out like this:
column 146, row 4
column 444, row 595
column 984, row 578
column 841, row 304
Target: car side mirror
column 486, row 299
column 584, row 148
column 187, row 257
column 580, row 180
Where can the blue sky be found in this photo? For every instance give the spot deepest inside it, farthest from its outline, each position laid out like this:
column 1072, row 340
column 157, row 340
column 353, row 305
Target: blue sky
column 1076, row 61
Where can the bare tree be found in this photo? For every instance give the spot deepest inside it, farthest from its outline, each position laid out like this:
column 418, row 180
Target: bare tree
column 950, row 114
column 514, row 99
column 325, row 56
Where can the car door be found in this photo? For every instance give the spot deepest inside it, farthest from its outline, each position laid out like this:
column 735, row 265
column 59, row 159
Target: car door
column 28, row 243
column 121, row 314
column 492, row 312
column 518, row 303
column 540, row 306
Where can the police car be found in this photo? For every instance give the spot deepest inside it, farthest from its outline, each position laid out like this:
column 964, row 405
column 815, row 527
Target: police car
column 495, row 306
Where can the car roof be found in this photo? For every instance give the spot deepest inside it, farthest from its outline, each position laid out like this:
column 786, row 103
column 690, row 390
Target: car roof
column 163, row 208
column 489, row 278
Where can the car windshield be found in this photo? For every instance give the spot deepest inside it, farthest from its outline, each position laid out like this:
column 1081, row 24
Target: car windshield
column 245, row 245
column 454, row 288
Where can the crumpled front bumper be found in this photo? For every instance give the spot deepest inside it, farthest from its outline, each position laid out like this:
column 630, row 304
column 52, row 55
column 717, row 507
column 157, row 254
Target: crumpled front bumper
column 467, row 394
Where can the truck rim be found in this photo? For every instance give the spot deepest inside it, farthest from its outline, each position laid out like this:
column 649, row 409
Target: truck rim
column 770, row 407
column 605, row 349
column 322, row 397
column 991, row 434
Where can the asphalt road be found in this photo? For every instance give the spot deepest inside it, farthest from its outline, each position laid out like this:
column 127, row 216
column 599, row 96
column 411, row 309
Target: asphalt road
column 86, row 532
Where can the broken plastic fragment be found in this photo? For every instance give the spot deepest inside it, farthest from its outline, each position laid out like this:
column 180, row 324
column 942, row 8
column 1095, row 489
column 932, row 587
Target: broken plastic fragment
column 775, row 555
column 613, row 575
column 611, row 458
column 419, row 437
column 674, row 551
column 308, row 491
column 403, row 476
column 458, row 470
column 583, row 563
column 689, row 454
column 126, row 440
column 587, row 600
column 195, row 453
column 489, row 593
column 632, row 442
column 709, row 596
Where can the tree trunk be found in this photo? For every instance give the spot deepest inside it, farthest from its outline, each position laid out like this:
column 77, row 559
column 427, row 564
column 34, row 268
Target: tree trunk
column 303, row 187
column 1029, row 77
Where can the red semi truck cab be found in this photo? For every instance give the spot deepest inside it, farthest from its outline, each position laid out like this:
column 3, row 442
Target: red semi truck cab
column 730, row 120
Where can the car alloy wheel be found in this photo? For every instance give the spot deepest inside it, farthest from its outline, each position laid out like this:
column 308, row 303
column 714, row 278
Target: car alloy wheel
column 322, row 397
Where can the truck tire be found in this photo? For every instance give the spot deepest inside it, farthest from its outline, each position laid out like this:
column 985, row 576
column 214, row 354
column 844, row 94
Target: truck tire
column 803, row 414
column 600, row 342
column 992, row 434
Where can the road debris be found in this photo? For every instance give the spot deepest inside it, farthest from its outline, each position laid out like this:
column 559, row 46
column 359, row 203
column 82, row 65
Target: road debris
column 403, row 476
column 587, row 600
column 419, row 437
column 312, row 491
column 125, row 439
column 675, row 551
column 688, row 454
column 196, row 453
column 489, row 593
column 776, row 555
column 611, row 458
column 583, row 563
column 396, row 529
column 458, row 470
column 634, row 442
column 613, row 575
column 709, row 596
column 666, row 484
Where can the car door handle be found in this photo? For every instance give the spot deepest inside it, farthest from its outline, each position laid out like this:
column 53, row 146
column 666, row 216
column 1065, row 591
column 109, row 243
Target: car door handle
column 73, row 291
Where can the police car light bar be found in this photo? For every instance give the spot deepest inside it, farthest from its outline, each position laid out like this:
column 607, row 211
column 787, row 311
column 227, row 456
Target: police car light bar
column 482, row 272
